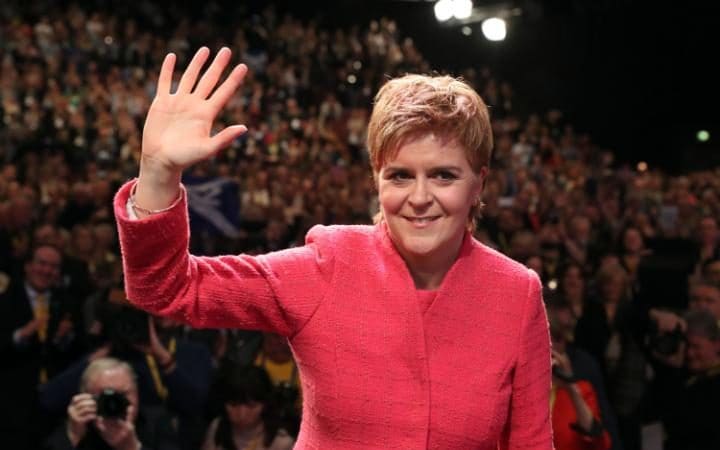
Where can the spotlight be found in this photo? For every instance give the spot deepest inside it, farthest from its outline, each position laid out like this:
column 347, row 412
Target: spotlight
column 494, row 29
column 443, row 10
column 462, row 9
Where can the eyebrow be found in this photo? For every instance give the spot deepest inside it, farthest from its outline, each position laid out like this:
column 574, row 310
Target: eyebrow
column 432, row 169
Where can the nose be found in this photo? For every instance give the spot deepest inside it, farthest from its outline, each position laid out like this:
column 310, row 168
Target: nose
column 421, row 194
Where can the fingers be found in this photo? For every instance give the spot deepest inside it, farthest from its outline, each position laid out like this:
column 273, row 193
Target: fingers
column 228, row 87
column 189, row 77
column 82, row 409
column 212, row 74
column 226, row 136
column 166, row 74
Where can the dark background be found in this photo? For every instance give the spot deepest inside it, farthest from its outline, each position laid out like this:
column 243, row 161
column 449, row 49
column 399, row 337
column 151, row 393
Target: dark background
column 639, row 77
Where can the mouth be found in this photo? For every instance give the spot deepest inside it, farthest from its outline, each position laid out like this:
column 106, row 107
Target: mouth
column 421, row 221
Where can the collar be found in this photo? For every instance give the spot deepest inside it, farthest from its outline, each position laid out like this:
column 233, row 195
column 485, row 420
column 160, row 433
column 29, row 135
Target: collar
column 32, row 293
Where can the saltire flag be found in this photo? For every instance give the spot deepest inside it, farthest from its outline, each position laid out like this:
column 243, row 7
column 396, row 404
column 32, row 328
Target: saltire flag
column 214, row 205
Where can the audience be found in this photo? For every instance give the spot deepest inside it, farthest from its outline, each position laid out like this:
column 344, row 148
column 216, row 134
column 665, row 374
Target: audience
column 618, row 244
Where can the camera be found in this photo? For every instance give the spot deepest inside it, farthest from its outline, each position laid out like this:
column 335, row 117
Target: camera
column 111, row 404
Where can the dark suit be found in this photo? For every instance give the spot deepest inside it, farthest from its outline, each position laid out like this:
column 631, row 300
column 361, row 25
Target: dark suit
column 22, row 363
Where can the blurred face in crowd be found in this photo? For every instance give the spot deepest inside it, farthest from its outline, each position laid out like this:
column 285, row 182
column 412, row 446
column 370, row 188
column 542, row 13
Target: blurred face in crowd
column 244, row 415
column 580, row 228
column 705, row 297
column 43, row 270
column 426, row 193
column 562, row 325
column 702, row 353
column 708, row 231
column 632, row 241
column 712, row 271
column 573, row 282
column 612, row 286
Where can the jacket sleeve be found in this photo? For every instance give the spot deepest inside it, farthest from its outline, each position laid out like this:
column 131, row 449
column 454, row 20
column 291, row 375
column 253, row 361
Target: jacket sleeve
column 276, row 292
column 529, row 425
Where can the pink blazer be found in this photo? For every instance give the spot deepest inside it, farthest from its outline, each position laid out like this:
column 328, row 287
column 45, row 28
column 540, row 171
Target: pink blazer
column 471, row 372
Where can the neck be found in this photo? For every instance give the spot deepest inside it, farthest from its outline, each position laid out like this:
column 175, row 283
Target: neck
column 428, row 272
column 249, row 431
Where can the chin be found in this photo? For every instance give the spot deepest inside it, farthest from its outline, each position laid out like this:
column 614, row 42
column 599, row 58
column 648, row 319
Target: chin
column 424, row 246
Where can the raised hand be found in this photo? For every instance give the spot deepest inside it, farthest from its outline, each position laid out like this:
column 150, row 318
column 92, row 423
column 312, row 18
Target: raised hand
column 178, row 125
column 82, row 410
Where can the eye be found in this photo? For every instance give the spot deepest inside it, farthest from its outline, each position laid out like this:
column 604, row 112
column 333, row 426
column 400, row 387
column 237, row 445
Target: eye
column 399, row 176
column 445, row 175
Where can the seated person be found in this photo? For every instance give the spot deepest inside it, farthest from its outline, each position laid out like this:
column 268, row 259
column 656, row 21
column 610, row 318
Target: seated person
column 107, row 414
column 248, row 417
column 690, row 403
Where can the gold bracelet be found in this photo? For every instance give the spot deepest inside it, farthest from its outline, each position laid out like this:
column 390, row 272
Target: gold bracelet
column 150, row 212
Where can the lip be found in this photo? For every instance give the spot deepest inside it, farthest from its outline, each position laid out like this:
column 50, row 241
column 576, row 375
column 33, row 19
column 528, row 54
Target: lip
column 421, row 222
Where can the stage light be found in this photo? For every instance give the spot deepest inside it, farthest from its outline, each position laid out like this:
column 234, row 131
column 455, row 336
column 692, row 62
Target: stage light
column 466, row 30
column 642, row 166
column 462, row 9
column 443, row 10
column 494, row 29
column 703, row 136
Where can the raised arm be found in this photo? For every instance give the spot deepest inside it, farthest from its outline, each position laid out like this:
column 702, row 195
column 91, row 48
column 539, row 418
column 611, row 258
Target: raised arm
column 178, row 125
column 276, row 292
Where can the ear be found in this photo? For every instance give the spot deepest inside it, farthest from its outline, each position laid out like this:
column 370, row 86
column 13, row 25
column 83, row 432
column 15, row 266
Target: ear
column 480, row 182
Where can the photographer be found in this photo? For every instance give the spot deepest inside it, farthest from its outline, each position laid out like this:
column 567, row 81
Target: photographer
column 691, row 393
column 666, row 340
column 171, row 372
column 107, row 414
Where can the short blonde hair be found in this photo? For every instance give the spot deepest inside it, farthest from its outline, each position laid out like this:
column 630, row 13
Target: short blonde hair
column 413, row 106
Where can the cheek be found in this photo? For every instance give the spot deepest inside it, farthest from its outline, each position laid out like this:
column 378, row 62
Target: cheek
column 391, row 199
column 457, row 201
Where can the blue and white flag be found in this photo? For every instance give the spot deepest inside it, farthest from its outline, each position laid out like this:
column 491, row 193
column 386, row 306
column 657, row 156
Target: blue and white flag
column 214, row 205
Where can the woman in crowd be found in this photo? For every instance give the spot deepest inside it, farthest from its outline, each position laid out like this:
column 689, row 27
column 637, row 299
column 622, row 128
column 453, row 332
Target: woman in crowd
column 248, row 419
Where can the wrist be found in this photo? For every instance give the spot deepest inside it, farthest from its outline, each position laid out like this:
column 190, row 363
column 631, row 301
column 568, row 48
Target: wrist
column 131, row 444
column 75, row 432
column 157, row 186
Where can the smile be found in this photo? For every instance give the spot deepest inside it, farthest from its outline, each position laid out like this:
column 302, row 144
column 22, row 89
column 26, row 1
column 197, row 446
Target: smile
column 421, row 221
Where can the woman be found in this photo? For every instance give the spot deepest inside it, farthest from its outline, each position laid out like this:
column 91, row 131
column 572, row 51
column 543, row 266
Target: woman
column 248, row 419
column 572, row 288
column 407, row 334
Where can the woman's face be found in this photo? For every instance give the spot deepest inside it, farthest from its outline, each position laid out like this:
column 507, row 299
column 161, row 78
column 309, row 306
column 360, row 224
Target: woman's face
column 244, row 415
column 573, row 280
column 632, row 241
column 426, row 193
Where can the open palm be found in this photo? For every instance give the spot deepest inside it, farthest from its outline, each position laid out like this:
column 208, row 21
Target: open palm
column 178, row 125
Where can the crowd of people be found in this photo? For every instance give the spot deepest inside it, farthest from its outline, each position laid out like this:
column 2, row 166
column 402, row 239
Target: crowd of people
column 629, row 256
